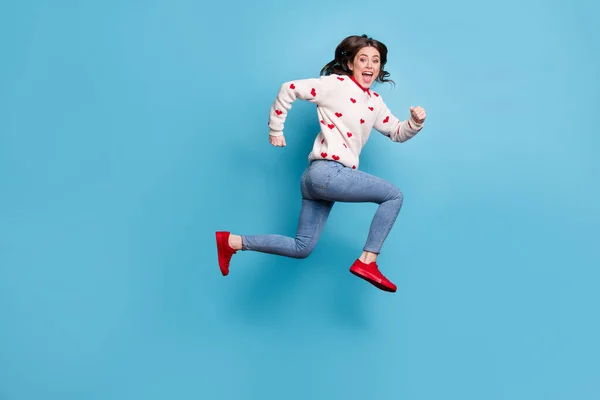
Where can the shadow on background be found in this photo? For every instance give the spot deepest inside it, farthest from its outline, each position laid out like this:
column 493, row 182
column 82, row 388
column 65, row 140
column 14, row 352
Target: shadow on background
column 319, row 288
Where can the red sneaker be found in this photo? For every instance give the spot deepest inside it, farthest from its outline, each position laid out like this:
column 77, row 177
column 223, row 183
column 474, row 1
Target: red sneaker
column 370, row 273
column 224, row 251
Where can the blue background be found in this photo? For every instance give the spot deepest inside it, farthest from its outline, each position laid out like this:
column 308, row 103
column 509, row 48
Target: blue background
column 130, row 131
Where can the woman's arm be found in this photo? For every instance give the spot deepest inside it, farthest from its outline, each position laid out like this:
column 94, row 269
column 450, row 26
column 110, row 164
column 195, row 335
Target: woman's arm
column 312, row 90
column 394, row 128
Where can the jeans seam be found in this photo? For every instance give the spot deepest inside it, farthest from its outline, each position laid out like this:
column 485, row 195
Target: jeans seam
column 312, row 242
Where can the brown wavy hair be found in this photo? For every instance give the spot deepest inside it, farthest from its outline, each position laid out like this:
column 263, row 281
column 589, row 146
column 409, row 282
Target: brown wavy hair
column 346, row 51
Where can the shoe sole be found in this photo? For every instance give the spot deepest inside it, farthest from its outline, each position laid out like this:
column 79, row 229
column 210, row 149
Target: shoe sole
column 371, row 279
column 220, row 237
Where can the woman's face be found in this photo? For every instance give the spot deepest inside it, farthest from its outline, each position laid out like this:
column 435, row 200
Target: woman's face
column 366, row 66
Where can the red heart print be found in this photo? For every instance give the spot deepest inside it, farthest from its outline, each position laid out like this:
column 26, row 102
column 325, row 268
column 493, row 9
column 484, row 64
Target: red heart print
column 322, row 141
column 337, row 114
column 335, row 157
column 345, row 145
column 292, row 86
column 330, row 126
column 375, row 94
column 278, row 112
column 323, row 122
column 386, row 119
column 362, row 121
column 323, row 155
column 371, row 108
column 349, row 134
column 354, row 167
column 340, row 78
column 352, row 100
column 313, row 92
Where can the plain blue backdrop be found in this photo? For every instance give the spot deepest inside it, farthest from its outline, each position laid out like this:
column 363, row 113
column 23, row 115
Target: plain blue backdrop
column 130, row 131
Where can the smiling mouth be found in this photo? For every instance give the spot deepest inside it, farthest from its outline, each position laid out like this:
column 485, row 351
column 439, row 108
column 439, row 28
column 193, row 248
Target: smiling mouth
column 367, row 76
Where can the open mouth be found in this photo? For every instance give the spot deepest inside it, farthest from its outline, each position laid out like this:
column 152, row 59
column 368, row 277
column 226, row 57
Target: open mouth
column 367, row 76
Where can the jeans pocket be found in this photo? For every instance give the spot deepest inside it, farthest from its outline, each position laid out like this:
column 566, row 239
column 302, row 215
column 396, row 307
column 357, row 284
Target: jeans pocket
column 319, row 175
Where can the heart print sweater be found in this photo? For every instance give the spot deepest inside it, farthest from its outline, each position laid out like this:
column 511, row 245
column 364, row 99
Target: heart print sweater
column 347, row 113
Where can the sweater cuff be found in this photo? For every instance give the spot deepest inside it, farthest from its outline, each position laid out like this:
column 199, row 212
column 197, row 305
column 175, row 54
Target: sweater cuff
column 275, row 133
column 413, row 125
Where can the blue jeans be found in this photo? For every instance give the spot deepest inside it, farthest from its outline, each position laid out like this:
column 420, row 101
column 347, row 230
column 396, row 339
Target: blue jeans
column 322, row 184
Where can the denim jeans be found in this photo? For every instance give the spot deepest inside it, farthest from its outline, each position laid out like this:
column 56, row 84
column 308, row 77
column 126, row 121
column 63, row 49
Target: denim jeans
column 322, row 184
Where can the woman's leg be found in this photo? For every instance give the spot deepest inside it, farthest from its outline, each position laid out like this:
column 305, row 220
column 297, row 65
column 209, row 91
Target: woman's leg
column 337, row 183
column 347, row 185
column 312, row 219
column 313, row 216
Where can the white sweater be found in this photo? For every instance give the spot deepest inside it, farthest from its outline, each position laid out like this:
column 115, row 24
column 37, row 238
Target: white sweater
column 347, row 113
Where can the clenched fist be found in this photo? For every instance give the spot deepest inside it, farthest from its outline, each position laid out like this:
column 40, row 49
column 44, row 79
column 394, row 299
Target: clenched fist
column 418, row 114
column 277, row 141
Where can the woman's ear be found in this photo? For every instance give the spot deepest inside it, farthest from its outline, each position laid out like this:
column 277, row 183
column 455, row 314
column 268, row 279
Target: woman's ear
column 350, row 65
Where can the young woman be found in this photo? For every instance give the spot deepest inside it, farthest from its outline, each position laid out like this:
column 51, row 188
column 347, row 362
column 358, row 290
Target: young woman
column 347, row 110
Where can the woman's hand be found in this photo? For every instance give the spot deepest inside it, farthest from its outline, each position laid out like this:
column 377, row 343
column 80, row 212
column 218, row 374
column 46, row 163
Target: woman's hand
column 277, row 141
column 418, row 114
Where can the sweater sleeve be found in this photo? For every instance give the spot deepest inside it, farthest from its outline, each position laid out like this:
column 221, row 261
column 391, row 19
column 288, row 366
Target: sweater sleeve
column 394, row 128
column 312, row 90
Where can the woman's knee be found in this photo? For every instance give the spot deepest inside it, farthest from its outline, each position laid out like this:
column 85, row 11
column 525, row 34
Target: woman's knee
column 395, row 194
column 399, row 195
column 303, row 249
column 302, row 254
